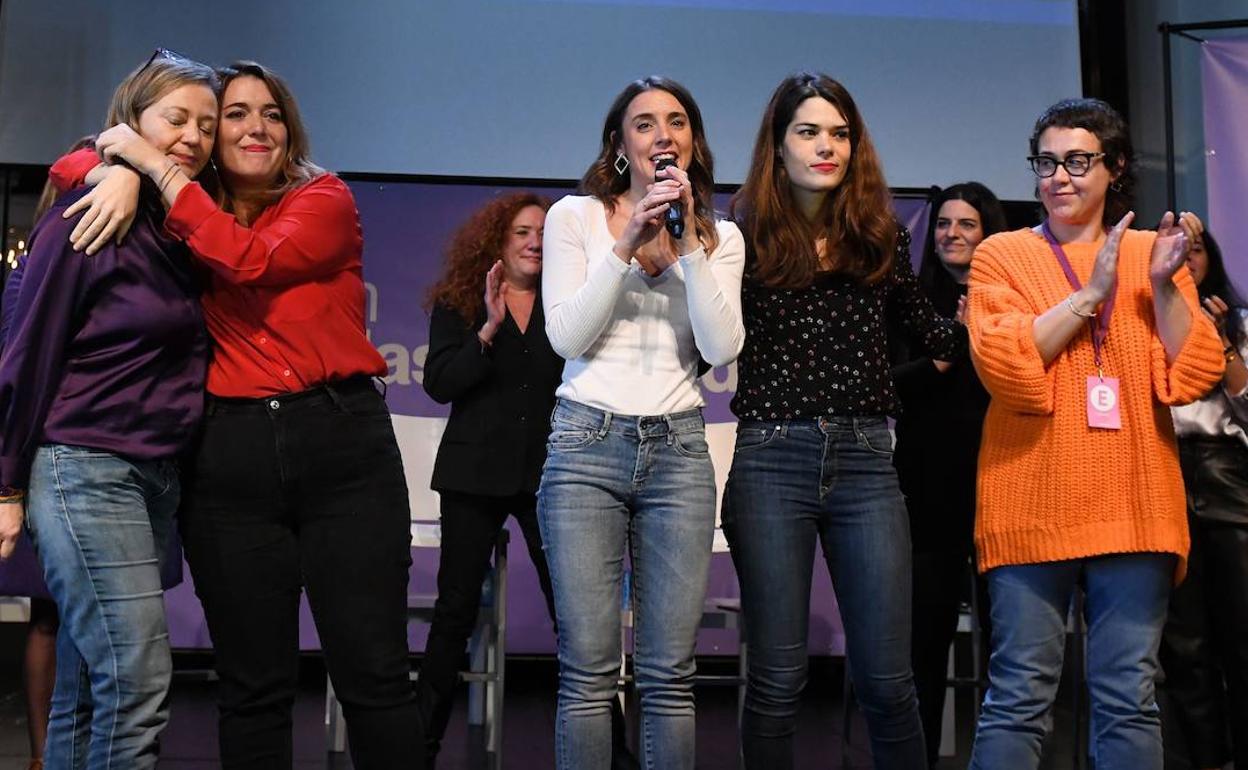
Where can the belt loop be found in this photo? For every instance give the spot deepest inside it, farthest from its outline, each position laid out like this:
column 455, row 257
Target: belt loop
column 671, row 429
column 606, row 425
column 334, row 396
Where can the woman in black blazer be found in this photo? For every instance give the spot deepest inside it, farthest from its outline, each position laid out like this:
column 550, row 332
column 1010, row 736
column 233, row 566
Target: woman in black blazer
column 489, row 357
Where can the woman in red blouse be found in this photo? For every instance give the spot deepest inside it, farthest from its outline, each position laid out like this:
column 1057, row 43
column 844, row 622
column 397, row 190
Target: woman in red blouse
column 297, row 482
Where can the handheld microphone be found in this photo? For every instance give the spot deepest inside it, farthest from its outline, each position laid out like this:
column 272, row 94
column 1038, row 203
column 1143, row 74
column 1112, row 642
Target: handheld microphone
column 674, row 217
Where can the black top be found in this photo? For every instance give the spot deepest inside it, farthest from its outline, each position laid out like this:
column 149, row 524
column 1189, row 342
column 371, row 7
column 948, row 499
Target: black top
column 938, row 435
column 501, row 400
column 823, row 349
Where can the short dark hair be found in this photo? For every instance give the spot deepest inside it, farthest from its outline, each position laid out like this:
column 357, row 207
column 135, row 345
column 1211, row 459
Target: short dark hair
column 1109, row 127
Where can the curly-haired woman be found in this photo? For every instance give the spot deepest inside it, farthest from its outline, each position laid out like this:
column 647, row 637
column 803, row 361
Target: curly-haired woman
column 490, row 359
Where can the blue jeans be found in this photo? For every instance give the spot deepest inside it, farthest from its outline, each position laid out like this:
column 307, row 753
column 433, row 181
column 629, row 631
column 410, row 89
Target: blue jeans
column 100, row 524
column 646, row 482
column 1127, row 596
column 793, row 481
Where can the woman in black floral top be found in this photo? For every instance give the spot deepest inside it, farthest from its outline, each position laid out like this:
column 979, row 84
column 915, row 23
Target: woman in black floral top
column 828, row 278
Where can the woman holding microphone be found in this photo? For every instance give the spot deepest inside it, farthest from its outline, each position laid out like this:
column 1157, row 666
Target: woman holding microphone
column 634, row 305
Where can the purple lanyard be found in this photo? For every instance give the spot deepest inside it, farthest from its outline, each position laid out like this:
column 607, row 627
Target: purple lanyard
column 1100, row 324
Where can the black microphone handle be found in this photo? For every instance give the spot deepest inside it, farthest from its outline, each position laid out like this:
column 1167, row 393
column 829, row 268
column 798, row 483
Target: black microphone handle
column 674, row 217
column 674, row 220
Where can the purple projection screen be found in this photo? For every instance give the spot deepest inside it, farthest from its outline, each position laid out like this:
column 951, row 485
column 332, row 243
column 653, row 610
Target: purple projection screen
column 406, row 225
column 1224, row 86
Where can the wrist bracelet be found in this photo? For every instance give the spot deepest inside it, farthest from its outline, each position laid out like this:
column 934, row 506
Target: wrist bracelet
column 1070, row 303
column 167, row 177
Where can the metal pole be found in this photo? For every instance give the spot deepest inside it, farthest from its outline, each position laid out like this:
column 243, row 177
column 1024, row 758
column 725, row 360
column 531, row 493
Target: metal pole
column 1171, row 196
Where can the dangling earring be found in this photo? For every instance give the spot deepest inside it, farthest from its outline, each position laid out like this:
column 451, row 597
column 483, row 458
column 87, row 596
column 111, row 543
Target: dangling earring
column 621, row 162
column 1116, row 185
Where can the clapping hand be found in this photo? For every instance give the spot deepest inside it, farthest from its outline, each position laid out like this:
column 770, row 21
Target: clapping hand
column 1173, row 243
column 1216, row 310
column 495, row 303
column 1105, row 269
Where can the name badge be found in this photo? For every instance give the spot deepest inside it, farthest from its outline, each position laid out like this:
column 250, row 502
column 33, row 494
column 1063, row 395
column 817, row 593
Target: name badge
column 1103, row 406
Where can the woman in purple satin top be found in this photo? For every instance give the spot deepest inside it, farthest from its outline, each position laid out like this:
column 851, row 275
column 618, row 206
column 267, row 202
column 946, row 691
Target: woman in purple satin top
column 101, row 387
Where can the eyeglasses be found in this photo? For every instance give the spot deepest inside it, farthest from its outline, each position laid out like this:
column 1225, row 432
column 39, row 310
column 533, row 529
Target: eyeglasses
column 1076, row 163
column 164, row 53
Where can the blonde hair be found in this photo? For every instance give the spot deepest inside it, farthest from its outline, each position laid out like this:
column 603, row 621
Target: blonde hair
column 147, row 84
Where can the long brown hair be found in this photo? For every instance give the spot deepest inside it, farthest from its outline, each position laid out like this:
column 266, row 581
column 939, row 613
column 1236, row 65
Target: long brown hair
column 856, row 219
column 298, row 168
column 473, row 250
column 603, row 182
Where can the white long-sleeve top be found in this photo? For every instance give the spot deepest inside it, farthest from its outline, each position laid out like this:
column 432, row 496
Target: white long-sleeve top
column 632, row 341
column 1221, row 413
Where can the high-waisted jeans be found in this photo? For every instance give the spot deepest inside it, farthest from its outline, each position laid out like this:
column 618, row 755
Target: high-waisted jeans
column 830, row 479
column 305, row 492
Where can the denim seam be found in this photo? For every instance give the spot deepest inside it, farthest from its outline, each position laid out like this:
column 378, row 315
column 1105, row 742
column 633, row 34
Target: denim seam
column 69, row 527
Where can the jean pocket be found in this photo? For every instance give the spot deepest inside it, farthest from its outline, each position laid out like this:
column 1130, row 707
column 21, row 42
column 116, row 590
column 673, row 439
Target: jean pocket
column 876, row 439
column 569, row 439
column 754, row 438
column 691, row 444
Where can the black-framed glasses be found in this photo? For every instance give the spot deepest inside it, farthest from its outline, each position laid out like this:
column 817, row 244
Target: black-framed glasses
column 164, row 53
column 1076, row 163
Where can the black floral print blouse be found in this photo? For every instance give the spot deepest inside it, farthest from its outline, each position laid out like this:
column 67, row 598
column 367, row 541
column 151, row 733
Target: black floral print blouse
column 823, row 349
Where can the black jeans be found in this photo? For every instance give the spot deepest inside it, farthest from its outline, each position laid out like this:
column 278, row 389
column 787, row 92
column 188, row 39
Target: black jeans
column 1204, row 650
column 304, row 491
column 470, row 525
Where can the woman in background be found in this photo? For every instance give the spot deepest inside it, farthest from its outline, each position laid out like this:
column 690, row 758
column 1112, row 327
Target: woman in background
column 490, row 359
column 943, row 405
column 1204, row 648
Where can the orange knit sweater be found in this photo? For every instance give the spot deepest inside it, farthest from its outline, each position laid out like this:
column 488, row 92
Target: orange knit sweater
column 1050, row 488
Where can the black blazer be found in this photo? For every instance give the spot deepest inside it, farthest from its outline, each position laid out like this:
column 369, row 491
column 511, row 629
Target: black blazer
column 501, row 399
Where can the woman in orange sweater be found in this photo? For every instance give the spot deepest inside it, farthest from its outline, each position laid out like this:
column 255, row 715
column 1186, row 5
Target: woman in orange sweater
column 1083, row 338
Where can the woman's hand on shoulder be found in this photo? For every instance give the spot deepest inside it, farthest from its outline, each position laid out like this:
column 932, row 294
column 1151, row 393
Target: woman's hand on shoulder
column 110, row 209
column 121, row 142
